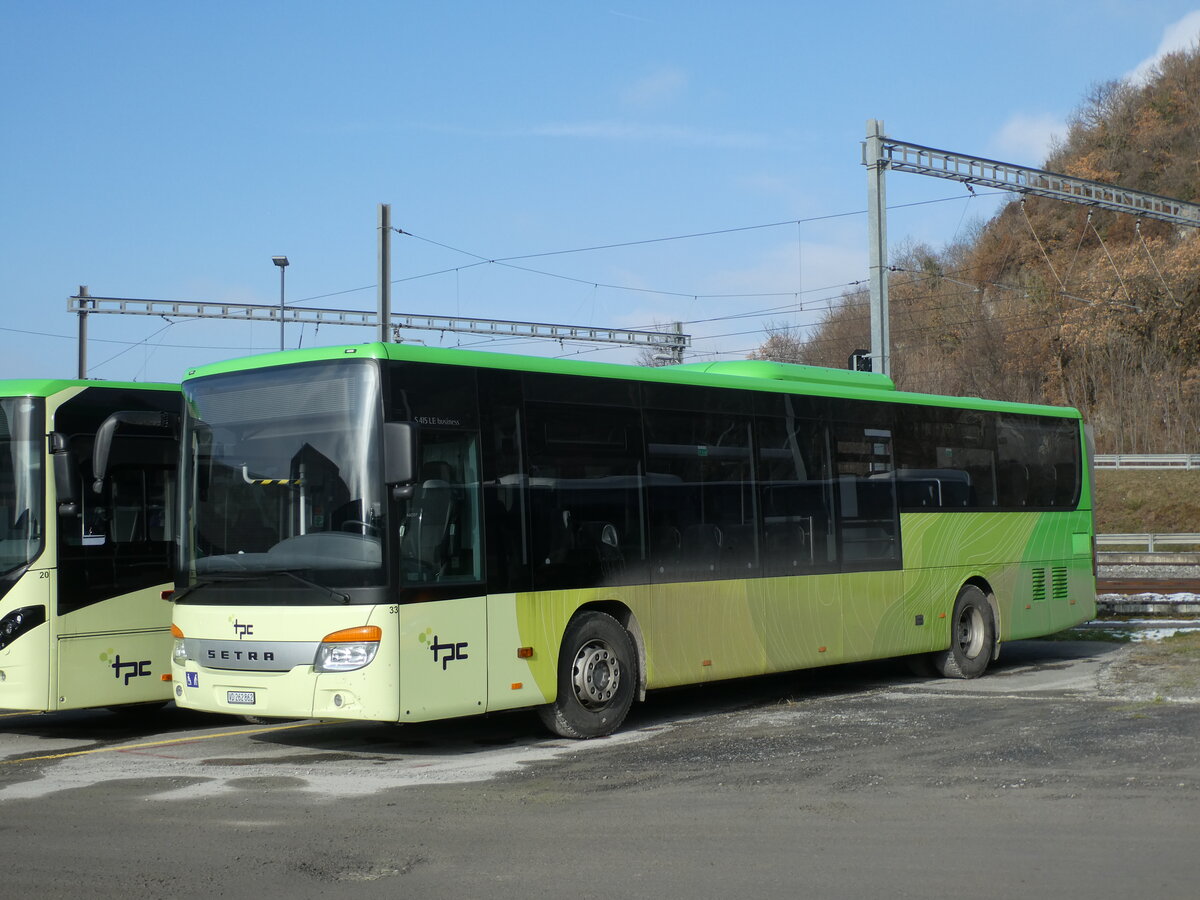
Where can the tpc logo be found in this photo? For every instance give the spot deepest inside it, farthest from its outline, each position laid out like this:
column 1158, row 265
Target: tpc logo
column 242, row 630
column 132, row 669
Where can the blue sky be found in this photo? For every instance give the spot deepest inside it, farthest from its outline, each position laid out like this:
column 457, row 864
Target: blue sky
column 168, row 151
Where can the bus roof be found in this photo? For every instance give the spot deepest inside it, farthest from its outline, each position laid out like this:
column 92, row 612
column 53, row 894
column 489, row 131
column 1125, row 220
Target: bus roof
column 46, row 387
column 760, row 375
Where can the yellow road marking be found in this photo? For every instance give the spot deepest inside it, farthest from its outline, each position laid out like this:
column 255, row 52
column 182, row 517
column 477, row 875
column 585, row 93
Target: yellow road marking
column 186, row 740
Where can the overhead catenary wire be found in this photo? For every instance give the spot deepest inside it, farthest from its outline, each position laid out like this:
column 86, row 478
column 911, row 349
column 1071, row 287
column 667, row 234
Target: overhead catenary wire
column 595, row 283
column 1137, row 227
column 133, row 345
column 1113, row 263
column 816, row 306
column 481, row 259
column 1045, row 255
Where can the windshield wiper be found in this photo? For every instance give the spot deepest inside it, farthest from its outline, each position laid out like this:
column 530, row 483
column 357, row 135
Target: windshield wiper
column 209, row 580
column 345, row 598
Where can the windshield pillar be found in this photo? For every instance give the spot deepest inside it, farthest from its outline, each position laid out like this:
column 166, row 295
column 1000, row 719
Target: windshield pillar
column 22, row 481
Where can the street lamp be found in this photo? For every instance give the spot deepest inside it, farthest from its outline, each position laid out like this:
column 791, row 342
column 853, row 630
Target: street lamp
column 282, row 262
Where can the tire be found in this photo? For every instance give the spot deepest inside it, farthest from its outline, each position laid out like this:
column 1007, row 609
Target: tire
column 972, row 636
column 597, row 677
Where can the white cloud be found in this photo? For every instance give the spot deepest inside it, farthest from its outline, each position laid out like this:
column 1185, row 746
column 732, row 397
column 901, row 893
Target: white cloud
column 1181, row 35
column 656, row 89
column 1027, row 138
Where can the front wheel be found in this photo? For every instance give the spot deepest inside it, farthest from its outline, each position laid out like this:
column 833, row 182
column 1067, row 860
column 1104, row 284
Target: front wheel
column 972, row 636
column 597, row 674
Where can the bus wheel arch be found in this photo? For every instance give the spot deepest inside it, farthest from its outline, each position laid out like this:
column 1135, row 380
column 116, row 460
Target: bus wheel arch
column 624, row 615
column 984, row 585
column 599, row 664
column 973, row 633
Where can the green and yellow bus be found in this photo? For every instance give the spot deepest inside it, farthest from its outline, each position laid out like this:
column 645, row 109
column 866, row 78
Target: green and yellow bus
column 87, row 510
column 404, row 534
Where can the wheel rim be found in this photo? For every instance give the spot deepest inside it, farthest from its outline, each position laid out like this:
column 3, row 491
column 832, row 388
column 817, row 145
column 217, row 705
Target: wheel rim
column 970, row 632
column 595, row 675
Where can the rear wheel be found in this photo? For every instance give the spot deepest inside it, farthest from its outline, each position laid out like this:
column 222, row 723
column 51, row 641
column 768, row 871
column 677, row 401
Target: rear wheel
column 597, row 674
column 972, row 636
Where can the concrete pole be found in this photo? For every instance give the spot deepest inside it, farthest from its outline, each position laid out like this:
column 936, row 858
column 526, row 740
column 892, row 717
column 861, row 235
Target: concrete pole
column 881, row 338
column 282, row 269
column 385, row 272
column 83, row 293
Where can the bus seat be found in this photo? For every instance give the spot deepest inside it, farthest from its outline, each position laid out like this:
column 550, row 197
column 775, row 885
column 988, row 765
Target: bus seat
column 1042, row 485
column 738, row 554
column 427, row 532
column 700, row 548
column 600, row 540
column 664, row 548
column 1013, row 484
column 789, row 543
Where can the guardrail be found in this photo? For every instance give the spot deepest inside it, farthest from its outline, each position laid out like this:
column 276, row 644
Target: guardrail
column 1148, row 543
column 1148, row 460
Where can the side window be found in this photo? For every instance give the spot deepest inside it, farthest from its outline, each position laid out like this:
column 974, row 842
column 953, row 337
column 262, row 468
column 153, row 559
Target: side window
column 439, row 525
column 702, row 503
column 585, row 495
column 796, row 496
column 870, row 525
column 137, row 502
column 142, row 504
column 1039, row 462
column 945, row 459
column 505, row 486
column 121, row 539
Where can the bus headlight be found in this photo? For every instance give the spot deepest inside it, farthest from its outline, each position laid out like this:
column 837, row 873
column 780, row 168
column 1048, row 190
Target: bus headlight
column 348, row 649
column 179, row 651
column 19, row 621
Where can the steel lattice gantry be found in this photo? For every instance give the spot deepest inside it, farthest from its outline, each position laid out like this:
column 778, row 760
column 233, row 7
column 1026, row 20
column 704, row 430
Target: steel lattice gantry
column 900, row 156
column 881, row 153
column 673, row 342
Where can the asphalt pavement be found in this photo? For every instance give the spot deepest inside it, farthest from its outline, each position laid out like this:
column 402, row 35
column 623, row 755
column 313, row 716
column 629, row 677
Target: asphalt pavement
column 1066, row 770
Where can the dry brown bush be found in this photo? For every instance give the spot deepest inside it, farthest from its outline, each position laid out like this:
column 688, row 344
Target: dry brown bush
column 1051, row 302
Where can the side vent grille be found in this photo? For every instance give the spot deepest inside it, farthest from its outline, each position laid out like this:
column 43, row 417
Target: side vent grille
column 1039, row 585
column 1059, row 586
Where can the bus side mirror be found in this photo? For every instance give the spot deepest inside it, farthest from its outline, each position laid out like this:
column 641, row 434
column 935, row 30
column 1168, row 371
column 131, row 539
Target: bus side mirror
column 399, row 457
column 65, row 481
column 104, row 437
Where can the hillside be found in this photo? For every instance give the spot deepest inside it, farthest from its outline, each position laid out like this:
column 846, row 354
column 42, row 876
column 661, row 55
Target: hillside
column 1051, row 302
column 1157, row 501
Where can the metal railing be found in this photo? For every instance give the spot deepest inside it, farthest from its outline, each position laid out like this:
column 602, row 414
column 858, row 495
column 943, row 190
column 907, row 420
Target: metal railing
column 1147, row 543
column 1148, row 460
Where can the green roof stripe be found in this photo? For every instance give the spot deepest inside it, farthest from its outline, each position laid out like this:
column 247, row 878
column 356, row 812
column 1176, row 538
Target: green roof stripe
column 759, row 375
column 46, row 387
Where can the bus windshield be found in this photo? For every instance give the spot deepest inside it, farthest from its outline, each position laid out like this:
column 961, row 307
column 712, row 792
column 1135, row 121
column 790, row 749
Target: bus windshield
column 21, row 452
column 283, row 478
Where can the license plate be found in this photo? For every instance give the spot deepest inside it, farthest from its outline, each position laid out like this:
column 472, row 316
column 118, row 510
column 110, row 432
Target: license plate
column 245, row 698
